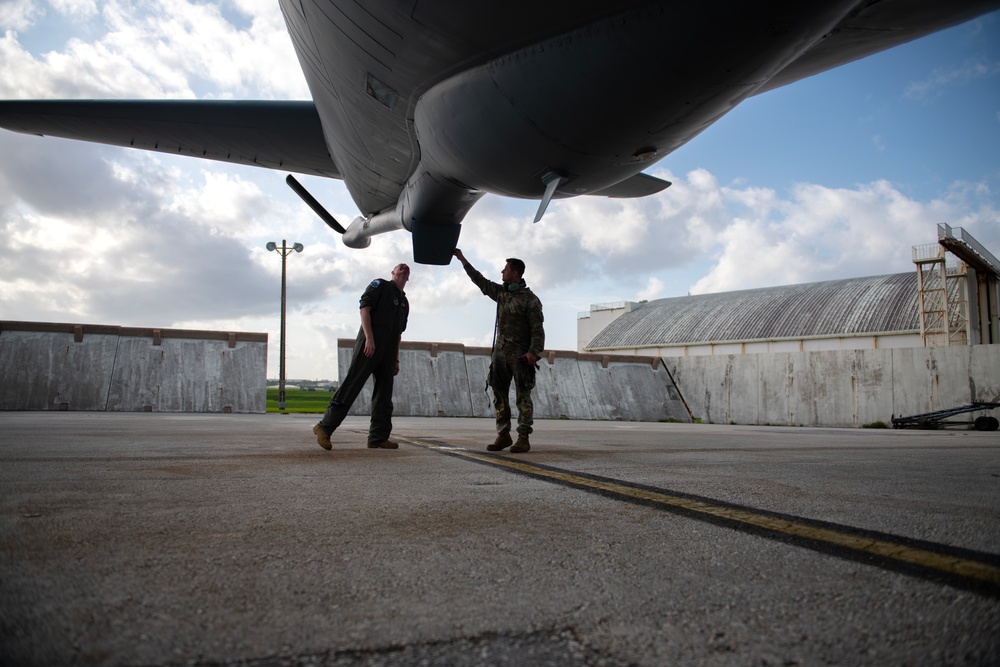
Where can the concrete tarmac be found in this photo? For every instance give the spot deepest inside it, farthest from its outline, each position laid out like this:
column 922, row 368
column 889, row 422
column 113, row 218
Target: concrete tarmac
column 181, row 539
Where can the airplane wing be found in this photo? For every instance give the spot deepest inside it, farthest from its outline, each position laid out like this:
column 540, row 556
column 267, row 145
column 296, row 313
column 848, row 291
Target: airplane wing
column 640, row 185
column 876, row 26
column 276, row 135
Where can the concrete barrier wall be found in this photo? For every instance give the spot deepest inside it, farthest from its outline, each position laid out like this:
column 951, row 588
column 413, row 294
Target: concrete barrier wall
column 823, row 388
column 94, row 367
column 97, row 367
column 836, row 388
column 52, row 371
column 449, row 380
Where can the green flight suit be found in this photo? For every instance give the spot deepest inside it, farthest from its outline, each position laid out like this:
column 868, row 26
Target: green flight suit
column 389, row 313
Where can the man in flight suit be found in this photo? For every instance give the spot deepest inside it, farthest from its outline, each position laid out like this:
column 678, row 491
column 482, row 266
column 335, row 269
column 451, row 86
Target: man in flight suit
column 520, row 340
column 384, row 310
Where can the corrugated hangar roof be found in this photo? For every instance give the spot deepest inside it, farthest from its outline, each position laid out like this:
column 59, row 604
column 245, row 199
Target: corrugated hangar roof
column 875, row 305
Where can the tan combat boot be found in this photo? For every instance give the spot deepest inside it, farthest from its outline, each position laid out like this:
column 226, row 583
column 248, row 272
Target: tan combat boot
column 502, row 442
column 322, row 437
column 383, row 444
column 521, row 445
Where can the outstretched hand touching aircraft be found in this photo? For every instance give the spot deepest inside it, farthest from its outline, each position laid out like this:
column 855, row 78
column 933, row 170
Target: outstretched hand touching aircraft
column 424, row 107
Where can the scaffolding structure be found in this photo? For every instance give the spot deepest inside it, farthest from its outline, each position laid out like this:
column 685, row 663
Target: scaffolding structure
column 940, row 297
column 945, row 290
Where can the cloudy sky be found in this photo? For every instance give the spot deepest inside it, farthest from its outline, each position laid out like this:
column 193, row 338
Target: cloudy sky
column 833, row 177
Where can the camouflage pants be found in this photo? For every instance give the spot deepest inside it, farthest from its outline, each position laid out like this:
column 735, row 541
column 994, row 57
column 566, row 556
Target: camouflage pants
column 503, row 370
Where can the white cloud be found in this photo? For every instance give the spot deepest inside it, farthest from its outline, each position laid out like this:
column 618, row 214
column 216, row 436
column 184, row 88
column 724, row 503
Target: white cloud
column 77, row 9
column 158, row 49
column 195, row 41
column 594, row 238
column 18, row 14
column 824, row 234
column 81, row 70
column 236, row 206
column 652, row 290
column 942, row 78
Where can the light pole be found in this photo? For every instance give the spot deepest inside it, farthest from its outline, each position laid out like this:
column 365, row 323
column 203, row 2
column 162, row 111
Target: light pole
column 283, row 250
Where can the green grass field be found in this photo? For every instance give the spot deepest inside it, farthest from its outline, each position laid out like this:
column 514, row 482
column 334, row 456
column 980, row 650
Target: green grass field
column 297, row 400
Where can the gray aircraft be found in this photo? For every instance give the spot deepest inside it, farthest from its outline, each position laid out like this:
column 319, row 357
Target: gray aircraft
column 422, row 107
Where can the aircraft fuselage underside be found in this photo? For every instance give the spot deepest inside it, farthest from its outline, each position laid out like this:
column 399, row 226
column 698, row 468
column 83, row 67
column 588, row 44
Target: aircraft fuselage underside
column 592, row 105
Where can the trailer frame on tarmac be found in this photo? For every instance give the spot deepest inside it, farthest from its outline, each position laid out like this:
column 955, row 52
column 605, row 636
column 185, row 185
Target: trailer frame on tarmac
column 936, row 419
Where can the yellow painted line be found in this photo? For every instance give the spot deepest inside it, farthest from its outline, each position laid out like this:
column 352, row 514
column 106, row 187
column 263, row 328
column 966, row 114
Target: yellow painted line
column 878, row 547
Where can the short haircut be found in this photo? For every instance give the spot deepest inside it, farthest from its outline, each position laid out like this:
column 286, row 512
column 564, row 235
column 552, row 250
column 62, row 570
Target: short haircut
column 516, row 264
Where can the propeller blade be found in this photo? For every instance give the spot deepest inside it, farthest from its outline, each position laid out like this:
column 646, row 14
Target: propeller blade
column 314, row 205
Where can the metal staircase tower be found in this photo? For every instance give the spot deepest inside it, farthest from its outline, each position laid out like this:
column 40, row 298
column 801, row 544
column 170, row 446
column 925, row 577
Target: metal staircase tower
column 942, row 321
column 951, row 274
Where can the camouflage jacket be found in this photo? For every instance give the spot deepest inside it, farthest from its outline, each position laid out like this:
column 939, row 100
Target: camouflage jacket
column 519, row 315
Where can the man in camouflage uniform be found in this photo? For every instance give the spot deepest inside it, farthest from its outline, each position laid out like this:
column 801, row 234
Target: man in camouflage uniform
column 384, row 311
column 520, row 340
